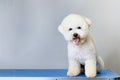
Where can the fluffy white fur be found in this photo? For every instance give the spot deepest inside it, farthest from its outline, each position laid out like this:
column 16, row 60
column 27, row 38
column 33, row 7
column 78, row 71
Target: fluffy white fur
column 81, row 47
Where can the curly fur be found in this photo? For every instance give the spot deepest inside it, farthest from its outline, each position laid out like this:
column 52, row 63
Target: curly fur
column 81, row 49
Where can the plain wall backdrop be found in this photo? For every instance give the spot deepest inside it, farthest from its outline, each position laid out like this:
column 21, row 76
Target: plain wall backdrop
column 29, row 37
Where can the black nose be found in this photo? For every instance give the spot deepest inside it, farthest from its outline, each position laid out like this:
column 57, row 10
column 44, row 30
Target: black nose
column 75, row 35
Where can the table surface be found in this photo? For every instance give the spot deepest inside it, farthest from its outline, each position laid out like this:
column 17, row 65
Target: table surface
column 58, row 73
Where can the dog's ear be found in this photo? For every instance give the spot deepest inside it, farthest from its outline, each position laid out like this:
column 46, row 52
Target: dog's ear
column 61, row 29
column 88, row 21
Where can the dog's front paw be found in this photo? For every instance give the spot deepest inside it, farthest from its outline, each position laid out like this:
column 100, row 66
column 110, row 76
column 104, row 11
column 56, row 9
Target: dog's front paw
column 90, row 73
column 72, row 73
column 90, row 68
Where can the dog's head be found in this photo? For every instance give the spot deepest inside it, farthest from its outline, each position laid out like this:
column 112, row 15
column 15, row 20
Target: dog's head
column 75, row 28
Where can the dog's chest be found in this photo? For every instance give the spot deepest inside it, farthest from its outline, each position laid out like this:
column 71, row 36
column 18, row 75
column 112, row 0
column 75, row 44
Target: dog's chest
column 80, row 53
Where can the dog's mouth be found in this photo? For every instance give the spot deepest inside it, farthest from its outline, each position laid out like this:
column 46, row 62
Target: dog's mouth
column 76, row 40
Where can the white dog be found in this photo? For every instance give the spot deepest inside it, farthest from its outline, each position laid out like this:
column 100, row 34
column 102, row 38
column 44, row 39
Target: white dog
column 81, row 47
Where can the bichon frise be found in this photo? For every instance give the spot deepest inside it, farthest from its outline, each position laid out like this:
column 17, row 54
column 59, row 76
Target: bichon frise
column 81, row 46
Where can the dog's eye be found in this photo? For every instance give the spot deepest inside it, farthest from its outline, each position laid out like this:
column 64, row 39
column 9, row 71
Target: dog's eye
column 70, row 29
column 79, row 27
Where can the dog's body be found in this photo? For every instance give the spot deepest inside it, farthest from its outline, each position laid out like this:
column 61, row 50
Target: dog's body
column 81, row 46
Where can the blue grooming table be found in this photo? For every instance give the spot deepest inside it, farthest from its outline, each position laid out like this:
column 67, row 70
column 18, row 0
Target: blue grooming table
column 52, row 74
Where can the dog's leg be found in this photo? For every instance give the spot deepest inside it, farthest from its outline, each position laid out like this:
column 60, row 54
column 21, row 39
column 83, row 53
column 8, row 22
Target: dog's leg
column 90, row 68
column 74, row 68
column 100, row 64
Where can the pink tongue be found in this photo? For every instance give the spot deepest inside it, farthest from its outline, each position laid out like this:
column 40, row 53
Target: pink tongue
column 76, row 40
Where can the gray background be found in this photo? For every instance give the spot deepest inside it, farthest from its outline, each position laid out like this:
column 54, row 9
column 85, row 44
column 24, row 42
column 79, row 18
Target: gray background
column 29, row 37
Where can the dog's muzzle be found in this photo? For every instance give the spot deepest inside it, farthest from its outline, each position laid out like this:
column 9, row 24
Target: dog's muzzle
column 76, row 38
